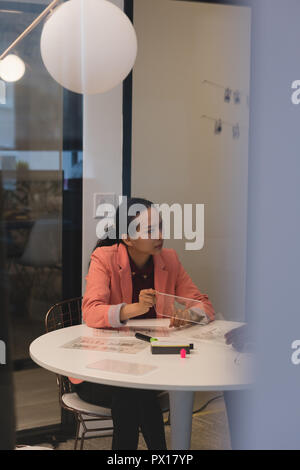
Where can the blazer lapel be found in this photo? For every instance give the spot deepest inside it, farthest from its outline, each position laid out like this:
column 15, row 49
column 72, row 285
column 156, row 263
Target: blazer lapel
column 160, row 282
column 125, row 274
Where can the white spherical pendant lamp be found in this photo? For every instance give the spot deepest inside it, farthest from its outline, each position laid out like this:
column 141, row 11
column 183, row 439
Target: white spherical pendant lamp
column 88, row 46
column 12, row 68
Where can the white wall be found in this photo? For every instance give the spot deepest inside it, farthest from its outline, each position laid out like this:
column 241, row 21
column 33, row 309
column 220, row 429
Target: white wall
column 102, row 157
column 176, row 156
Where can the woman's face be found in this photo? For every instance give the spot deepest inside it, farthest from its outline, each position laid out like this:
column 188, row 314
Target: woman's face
column 148, row 228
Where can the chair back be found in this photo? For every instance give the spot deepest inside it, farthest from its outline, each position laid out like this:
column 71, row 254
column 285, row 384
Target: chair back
column 64, row 314
column 61, row 315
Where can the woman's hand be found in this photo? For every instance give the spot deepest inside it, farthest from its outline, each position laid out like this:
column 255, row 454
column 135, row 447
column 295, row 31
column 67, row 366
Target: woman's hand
column 179, row 318
column 240, row 338
column 147, row 299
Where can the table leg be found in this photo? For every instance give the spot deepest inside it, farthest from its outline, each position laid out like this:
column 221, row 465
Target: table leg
column 181, row 414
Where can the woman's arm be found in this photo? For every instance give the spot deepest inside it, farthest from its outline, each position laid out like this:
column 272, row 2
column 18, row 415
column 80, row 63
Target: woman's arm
column 146, row 301
column 97, row 312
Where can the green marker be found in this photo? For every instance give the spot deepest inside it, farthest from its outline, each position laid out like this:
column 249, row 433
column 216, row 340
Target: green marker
column 145, row 337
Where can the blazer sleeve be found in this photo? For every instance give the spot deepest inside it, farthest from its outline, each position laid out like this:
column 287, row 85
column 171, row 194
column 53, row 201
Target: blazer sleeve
column 186, row 288
column 96, row 310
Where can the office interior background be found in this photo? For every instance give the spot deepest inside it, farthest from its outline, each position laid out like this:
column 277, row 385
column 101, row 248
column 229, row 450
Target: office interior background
column 157, row 135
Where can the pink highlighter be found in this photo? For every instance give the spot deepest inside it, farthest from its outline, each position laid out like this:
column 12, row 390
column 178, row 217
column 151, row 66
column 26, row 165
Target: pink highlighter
column 183, row 353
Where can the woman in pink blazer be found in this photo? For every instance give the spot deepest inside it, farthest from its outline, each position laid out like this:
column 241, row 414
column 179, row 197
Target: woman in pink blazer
column 124, row 275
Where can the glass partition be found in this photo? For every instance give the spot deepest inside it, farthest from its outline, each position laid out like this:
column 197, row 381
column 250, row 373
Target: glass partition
column 31, row 169
column 41, row 174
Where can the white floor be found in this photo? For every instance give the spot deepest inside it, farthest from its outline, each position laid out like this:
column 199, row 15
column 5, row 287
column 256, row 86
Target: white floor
column 36, row 401
column 36, row 398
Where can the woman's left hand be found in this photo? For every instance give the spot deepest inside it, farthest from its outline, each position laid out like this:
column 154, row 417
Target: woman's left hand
column 179, row 318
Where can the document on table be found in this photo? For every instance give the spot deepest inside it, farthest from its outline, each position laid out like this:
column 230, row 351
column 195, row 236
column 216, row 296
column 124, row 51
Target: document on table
column 155, row 332
column 213, row 332
column 123, row 346
column 122, row 367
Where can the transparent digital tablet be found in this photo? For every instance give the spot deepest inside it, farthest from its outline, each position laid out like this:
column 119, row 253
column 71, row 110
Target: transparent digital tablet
column 181, row 309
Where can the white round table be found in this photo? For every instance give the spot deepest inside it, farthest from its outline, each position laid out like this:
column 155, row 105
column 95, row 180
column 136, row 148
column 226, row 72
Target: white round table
column 210, row 366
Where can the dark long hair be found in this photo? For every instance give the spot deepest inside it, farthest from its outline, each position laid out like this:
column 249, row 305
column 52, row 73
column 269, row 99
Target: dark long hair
column 108, row 241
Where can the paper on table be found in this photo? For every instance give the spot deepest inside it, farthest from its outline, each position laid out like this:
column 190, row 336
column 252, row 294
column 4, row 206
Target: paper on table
column 123, row 346
column 213, row 333
column 131, row 330
column 122, row 367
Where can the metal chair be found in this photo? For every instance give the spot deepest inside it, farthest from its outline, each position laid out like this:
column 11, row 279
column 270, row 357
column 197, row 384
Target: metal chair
column 61, row 315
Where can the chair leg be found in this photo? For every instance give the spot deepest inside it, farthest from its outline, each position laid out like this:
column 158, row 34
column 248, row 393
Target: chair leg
column 84, row 431
column 82, row 440
column 77, row 433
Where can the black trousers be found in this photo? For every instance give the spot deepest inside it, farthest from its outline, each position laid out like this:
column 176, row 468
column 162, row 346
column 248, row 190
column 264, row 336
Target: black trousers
column 132, row 410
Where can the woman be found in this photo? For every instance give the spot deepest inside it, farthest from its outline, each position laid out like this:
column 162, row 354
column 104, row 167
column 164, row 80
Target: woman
column 123, row 276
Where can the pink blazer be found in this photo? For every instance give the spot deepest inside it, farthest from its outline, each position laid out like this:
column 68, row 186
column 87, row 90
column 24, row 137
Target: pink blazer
column 109, row 285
